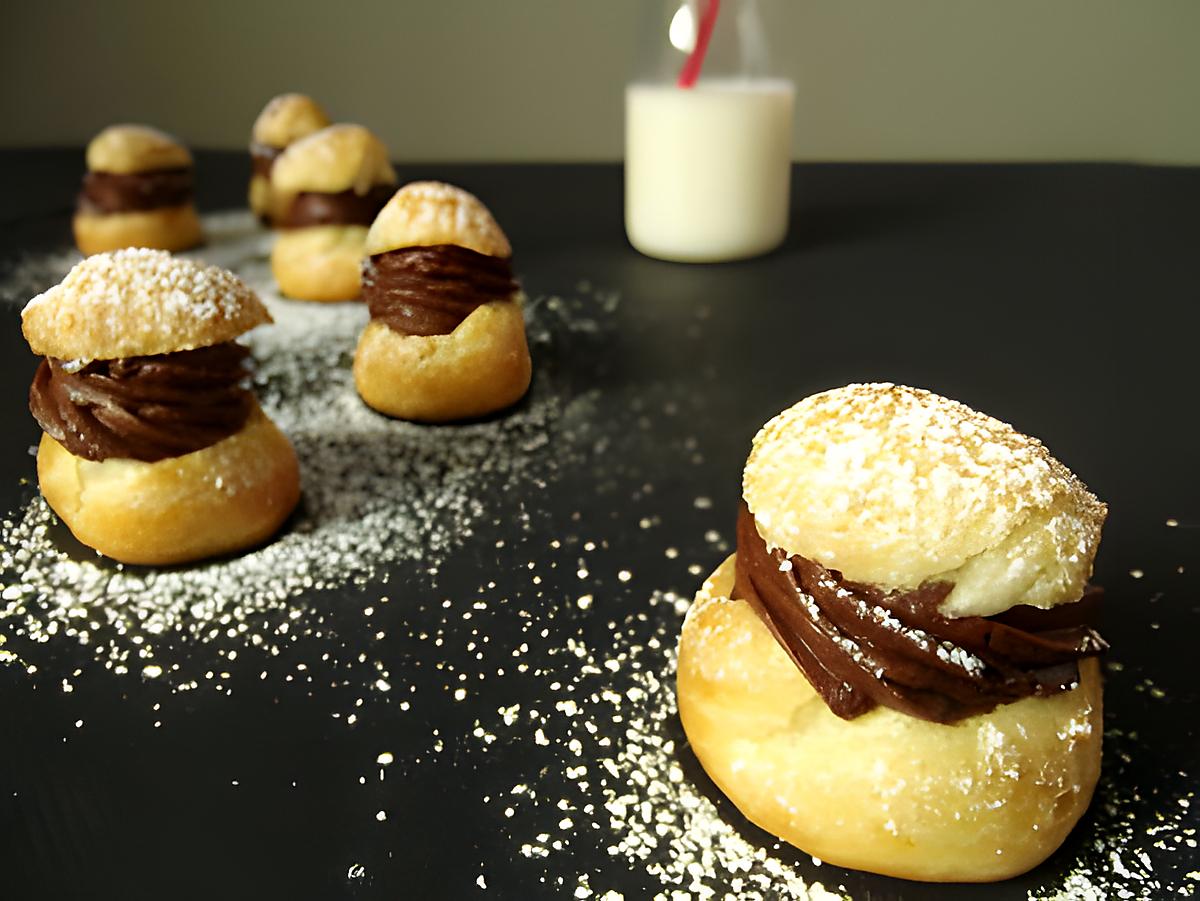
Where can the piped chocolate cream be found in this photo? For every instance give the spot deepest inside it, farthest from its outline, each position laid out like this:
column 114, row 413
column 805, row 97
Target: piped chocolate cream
column 431, row 290
column 861, row 646
column 342, row 208
column 107, row 192
column 144, row 408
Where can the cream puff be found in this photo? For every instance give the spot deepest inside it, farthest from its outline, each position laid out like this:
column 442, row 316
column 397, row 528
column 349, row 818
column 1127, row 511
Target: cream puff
column 284, row 120
column 154, row 449
column 137, row 193
column 329, row 186
column 446, row 338
column 896, row 672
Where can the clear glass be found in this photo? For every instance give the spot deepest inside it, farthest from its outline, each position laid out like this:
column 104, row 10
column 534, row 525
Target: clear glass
column 707, row 166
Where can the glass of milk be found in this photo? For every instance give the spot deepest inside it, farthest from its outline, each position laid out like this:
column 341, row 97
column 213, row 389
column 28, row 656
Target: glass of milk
column 708, row 135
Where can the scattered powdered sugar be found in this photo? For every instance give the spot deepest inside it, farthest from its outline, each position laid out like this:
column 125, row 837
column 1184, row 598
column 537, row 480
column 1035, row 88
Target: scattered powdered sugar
column 622, row 777
column 33, row 273
column 375, row 491
column 1140, row 842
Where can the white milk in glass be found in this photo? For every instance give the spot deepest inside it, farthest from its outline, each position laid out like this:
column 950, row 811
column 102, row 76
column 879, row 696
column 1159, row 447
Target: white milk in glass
column 707, row 168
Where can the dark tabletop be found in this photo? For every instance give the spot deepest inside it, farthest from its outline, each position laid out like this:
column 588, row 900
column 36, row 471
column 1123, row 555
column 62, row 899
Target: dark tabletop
column 1060, row 298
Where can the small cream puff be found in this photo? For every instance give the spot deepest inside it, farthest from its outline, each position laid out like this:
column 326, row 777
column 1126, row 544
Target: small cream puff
column 896, row 672
column 154, row 449
column 329, row 187
column 446, row 338
column 137, row 193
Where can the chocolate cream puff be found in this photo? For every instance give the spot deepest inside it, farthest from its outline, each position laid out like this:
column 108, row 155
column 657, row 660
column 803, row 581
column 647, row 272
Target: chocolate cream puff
column 329, row 187
column 154, row 449
column 446, row 338
column 284, row 120
column 137, row 193
column 897, row 672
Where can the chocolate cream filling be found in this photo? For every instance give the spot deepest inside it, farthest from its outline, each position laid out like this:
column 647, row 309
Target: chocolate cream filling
column 862, row 645
column 106, row 192
column 144, row 408
column 431, row 290
column 343, row 208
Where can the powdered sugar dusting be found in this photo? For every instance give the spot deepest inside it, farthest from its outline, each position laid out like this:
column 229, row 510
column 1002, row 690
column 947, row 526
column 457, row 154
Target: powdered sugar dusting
column 139, row 301
column 894, row 485
column 432, row 212
column 608, row 709
column 1140, row 841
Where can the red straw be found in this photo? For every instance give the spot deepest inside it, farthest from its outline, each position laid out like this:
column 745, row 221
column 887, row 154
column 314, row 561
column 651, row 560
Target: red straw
column 695, row 62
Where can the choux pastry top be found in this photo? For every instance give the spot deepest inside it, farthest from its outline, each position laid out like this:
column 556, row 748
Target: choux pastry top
column 339, row 175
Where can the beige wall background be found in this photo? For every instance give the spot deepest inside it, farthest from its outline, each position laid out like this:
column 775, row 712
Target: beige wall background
column 543, row 79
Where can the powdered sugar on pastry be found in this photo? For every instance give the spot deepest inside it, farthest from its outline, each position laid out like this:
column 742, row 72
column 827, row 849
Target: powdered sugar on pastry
column 136, row 302
column 425, row 213
column 894, row 485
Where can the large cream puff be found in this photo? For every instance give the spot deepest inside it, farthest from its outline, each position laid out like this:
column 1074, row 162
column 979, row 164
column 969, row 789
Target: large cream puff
column 446, row 338
column 896, row 671
column 329, row 186
column 284, row 120
column 154, row 448
column 137, row 193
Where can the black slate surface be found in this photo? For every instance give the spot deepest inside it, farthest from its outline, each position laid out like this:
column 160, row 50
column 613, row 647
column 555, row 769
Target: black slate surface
column 1060, row 298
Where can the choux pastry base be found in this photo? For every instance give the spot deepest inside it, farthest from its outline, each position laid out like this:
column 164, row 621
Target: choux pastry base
column 222, row 498
column 320, row 262
column 985, row 799
column 171, row 228
column 480, row 367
